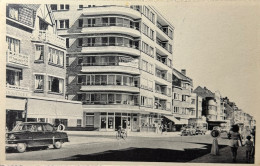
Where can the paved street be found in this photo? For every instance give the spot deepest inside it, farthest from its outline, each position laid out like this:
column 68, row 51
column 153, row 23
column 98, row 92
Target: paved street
column 164, row 148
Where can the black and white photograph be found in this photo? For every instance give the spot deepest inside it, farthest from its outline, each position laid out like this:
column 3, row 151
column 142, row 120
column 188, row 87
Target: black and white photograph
column 129, row 82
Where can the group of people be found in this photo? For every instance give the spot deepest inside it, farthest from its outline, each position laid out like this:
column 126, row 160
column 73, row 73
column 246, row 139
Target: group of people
column 160, row 128
column 236, row 141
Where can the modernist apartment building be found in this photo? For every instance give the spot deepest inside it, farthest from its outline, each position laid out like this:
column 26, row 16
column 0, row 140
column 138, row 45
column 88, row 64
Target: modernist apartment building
column 36, row 69
column 119, row 64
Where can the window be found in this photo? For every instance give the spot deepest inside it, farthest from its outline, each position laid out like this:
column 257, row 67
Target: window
column 145, row 30
column 89, row 119
column 53, row 7
column 39, row 53
column 170, row 48
column 151, row 34
column 56, row 57
column 55, row 84
column 64, row 24
column 80, row 6
column 67, row 61
column 67, row 7
column 39, row 82
column 170, row 34
column 80, row 23
column 13, row 13
column 80, row 42
column 13, row 76
column 13, row 44
column 91, row 22
column 43, row 25
column 67, row 42
column 79, row 97
column 152, row 17
column 62, row 7
column 80, row 60
column 78, row 122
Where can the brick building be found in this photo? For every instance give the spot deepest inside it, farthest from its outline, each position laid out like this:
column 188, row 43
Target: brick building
column 35, row 68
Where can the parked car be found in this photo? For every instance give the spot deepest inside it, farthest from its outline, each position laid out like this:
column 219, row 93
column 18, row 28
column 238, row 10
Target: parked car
column 201, row 130
column 188, row 131
column 34, row 134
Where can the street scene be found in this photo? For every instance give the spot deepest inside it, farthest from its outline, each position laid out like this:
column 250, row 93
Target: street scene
column 129, row 83
column 169, row 147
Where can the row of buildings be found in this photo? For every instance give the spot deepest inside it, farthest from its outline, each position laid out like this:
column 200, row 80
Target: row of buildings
column 100, row 67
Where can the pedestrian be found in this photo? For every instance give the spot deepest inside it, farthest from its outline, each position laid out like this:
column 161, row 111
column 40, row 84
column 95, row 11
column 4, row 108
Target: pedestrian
column 249, row 147
column 253, row 134
column 161, row 128
column 235, row 139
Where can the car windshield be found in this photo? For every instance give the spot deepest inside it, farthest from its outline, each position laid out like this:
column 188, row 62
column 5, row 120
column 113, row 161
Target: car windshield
column 24, row 127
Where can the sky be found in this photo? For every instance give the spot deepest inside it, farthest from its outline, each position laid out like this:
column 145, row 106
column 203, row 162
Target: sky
column 217, row 45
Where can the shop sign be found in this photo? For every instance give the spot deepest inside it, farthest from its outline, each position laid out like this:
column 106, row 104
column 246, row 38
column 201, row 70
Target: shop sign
column 128, row 61
column 10, row 92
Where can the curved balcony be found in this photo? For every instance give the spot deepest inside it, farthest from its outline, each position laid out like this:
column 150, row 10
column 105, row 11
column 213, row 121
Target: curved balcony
column 95, row 107
column 114, row 88
column 130, row 50
column 110, row 69
column 117, row 28
column 117, row 10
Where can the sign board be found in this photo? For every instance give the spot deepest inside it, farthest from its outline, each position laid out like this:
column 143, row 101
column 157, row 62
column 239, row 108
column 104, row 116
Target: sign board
column 215, row 133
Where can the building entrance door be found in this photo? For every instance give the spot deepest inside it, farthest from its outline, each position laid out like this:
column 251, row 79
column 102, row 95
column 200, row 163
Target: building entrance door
column 103, row 122
column 124, row 122
column 110, row 125
column 117, row 122
column 135, row 124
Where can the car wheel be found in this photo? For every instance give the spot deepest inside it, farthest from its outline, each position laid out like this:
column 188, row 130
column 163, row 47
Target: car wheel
column 57, row 145
column 21, row 147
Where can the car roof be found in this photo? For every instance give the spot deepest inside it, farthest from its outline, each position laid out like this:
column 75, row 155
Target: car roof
column 34, row 123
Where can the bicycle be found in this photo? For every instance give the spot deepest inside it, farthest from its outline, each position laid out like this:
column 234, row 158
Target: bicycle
column 121, row 134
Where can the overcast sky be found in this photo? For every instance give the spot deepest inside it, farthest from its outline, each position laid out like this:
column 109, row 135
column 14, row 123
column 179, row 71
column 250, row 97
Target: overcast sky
column 217, row 44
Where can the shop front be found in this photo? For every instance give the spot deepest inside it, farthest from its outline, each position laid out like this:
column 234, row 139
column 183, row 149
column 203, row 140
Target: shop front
column 15, row 111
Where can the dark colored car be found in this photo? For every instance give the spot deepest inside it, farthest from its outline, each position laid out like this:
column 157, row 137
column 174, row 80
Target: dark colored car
column 201, row 130
column 34, row 134
column 188, row 131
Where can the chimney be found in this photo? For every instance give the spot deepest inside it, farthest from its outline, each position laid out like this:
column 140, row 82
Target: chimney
column 183, row 71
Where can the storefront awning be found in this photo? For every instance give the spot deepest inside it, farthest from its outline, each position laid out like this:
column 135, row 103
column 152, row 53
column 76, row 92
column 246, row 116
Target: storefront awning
column 15, row 104
column 157, row 111
column 172, row 118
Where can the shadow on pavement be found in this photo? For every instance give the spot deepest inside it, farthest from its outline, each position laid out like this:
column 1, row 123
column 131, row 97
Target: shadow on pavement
column 145, row 155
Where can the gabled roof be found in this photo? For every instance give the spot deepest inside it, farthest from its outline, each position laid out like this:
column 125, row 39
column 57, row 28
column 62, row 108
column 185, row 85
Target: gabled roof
column 181, row 76
column 203, row 92
column 31, row 6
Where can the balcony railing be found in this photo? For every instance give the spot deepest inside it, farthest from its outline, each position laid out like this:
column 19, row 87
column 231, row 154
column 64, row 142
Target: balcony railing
column 112, row 24
column 163, row 45
column 110, row 103
column 17, row 58
column 161, row 28
column 112, row 44
column 50, row 38
column 15, row 87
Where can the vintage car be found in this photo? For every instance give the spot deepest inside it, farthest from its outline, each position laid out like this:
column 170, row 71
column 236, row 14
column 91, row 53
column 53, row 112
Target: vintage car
column 201, row 130
column 34, row 134
column 188, row 131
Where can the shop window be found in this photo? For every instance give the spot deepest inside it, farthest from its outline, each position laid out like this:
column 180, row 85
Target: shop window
column 89, row 120
column 61, row 121
column 13, row 44
column 13, row 77
column 39, row 53
column 55, row 84
column 39, row 82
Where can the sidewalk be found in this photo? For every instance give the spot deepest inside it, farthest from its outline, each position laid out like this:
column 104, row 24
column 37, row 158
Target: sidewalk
column 225, row 156
column 129, row 133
